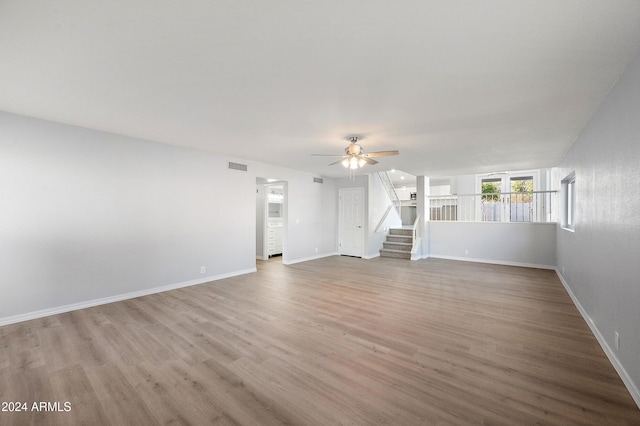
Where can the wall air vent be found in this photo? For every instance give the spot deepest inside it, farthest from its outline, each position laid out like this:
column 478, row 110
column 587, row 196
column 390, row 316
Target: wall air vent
column 238, row 166
column 318, row 180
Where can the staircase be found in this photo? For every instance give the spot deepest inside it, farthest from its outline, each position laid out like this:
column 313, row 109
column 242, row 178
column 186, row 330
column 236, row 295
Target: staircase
column 399, row 243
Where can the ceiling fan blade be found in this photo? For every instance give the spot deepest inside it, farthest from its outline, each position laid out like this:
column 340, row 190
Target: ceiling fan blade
column 369, row 160
column 382, row 153
column 336, row 162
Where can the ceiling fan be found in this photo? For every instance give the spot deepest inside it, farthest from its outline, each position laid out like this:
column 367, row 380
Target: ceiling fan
column 356, row 157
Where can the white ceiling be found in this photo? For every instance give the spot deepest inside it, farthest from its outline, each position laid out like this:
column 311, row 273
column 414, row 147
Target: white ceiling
column 400, row 178
column 457, row 86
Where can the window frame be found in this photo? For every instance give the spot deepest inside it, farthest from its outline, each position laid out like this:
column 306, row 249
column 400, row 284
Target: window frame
column 568, row 220
column 505, row 179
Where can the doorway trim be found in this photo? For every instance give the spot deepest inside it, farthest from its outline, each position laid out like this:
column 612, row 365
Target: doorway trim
column 264, row 213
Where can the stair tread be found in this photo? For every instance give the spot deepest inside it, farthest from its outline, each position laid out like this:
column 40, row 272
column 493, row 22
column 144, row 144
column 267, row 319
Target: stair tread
column 399, row 243
column 395, row 254
column 394, row 250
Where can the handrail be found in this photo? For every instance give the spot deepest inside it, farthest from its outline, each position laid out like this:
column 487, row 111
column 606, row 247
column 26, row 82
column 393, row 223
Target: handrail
column 525, row 206
column 384, row 217
column 391, row 190
column 388, row 184
column 493, row 193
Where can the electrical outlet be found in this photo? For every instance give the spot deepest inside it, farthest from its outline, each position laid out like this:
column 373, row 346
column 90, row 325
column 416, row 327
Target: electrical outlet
column 203, row 269
column 316, row 249
column 466, row 251
column 617, row 341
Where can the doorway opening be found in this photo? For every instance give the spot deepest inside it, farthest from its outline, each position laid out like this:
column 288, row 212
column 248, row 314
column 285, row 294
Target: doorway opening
column 271, row 220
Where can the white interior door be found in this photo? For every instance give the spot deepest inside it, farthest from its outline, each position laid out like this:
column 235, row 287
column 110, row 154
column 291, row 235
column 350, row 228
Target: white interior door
column 351, row 206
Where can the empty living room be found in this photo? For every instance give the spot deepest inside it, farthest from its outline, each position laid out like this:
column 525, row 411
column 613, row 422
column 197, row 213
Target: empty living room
column 331, row 213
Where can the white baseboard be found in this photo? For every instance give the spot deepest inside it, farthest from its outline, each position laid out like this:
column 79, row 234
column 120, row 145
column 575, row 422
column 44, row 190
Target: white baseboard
column 372, row 256
column 110, row 299
column 494, row 262
column 306, row 259
column 424, row 256
column 626, row 379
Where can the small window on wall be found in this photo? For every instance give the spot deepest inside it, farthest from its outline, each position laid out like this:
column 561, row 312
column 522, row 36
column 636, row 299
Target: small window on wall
column 569, row 202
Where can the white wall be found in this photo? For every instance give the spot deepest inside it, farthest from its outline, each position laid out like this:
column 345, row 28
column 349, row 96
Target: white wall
column 600, row 261
column 405, row 194
column 88, row 216
column 310, row 213
column 524, row 244
column 465, row 184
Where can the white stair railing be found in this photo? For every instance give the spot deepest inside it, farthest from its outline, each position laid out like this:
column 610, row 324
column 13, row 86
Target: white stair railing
column 530, row 206
column 383, row 218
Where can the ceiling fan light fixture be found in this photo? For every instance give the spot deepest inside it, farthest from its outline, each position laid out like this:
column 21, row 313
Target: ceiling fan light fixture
column 353, row 163
column 355, row 157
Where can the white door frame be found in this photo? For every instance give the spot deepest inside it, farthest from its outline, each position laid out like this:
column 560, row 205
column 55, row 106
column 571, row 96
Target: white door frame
column 265, row 217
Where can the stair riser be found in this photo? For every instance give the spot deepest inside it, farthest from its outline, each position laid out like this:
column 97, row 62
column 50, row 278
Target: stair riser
column 398, row 239
column 396, row 255
column 407, row 232
column 393, row 246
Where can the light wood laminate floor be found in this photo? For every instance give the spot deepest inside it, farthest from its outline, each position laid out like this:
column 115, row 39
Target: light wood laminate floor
column 334, row 341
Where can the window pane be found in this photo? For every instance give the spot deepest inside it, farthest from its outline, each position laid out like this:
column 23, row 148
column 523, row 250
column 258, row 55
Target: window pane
column 521, row 199
column 492, row 205
column 570, row 201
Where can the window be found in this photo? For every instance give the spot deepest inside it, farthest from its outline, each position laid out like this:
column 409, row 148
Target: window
column 521, row 200
column 509, row 197
column 569, row 202
column 492, row 200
